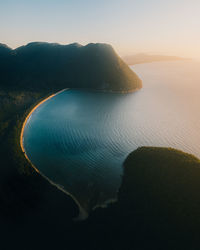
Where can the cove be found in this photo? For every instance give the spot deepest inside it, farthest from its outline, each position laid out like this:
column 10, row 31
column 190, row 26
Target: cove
column 79, row 139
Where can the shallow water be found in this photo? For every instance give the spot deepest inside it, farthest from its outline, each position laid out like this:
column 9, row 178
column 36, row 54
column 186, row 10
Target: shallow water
column 79, row 139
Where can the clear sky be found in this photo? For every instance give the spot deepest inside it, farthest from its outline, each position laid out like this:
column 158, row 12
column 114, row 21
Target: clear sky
column 169, row 27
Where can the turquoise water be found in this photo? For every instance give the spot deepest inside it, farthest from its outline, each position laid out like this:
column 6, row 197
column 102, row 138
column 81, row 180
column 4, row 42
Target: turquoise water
column 79, row 139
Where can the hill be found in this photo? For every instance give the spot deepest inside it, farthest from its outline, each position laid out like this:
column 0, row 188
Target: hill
column 38, row 66
column 163, row 182
column 158, row 203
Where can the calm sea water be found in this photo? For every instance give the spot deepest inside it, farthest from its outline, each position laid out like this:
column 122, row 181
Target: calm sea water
column 79, row 139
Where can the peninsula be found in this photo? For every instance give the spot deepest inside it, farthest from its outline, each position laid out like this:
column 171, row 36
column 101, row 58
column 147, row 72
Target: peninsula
column 50, row 66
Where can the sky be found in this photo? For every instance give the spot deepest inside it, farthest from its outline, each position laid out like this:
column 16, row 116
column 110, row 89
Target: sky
column 167, row 27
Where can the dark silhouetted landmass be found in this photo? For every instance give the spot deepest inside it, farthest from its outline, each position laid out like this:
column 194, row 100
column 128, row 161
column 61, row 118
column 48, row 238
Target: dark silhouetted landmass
column 162, row 185
column 158, row 203
column 42, row 66
column 146, row 58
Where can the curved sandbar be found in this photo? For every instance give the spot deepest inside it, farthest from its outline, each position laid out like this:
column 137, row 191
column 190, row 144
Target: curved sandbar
column 24, row 124
column 82, row 213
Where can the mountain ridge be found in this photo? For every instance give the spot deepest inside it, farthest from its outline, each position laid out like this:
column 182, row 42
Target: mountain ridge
column 42, row 65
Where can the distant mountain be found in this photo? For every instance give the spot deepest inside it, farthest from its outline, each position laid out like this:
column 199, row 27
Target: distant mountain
column 145, row 58
column 41, row 65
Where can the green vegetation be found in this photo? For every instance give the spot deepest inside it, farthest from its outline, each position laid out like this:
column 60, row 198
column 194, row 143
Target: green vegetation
column 21, row 188
column 44, row 66
column 161, row 185
column 158, row 203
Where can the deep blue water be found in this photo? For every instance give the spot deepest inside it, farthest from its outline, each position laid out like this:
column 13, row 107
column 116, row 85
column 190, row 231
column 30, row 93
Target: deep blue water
column 79, row 139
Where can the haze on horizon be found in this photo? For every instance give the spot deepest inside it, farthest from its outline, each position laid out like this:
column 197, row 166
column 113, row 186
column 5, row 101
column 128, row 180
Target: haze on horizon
column 131, row 26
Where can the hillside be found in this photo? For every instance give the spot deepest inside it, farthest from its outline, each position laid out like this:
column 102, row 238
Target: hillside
column 41, row 66
column 163, row 182
column 158, row 203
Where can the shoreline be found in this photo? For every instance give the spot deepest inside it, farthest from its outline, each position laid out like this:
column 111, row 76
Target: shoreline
column 23, row 127
column 82, row 212
column 52, row 95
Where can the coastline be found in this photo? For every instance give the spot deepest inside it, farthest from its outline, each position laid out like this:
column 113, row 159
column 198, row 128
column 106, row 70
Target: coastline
column 52, row 95
column 23, row 127
column 82, row 212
